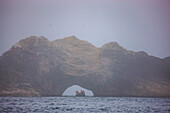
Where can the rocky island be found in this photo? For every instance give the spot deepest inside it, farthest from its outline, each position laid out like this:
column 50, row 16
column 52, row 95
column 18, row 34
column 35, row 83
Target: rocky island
column 36, row 66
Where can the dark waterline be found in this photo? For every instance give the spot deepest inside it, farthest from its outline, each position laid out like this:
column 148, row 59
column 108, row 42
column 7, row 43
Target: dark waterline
column 84, row 104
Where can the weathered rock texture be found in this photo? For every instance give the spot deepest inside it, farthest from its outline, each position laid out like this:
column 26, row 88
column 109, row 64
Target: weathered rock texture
column 37, row 67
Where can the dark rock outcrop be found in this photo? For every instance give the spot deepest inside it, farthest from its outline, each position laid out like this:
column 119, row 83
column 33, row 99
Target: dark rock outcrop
column 37, row 67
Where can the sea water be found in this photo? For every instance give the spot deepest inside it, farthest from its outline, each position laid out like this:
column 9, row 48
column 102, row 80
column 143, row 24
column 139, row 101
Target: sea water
column 84, row 104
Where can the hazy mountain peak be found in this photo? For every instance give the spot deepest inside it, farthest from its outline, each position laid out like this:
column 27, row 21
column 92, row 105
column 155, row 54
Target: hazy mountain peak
column 31, row 41
column 113, row 45
column 35, row 38
column 142, row 53
column 79, row 52
column 72, row 41
column 71, row 38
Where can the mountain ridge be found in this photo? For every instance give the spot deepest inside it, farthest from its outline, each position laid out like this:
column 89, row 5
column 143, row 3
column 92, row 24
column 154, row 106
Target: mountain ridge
column 36, row 66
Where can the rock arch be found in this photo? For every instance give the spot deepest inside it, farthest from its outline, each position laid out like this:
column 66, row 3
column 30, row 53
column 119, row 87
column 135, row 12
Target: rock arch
column 70, row 91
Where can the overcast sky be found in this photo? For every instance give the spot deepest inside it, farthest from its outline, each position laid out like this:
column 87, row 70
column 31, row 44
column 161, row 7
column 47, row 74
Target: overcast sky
column 138, row 25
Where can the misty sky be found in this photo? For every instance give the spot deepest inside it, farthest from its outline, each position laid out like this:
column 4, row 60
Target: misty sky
column 138, row 25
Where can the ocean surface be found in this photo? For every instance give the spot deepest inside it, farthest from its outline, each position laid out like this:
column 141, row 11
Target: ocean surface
column 84, row 105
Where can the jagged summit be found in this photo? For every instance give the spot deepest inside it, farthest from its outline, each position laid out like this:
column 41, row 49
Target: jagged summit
column 35, row 38
column 68, row 38
column 142, row 53
column 31, row 41
column 71, row 38
column 113, row 46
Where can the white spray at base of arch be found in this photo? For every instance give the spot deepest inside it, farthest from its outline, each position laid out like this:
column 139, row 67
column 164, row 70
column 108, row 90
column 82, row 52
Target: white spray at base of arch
column 70, row 91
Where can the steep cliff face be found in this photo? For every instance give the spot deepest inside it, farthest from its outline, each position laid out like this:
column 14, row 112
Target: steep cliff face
column 37, row 67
